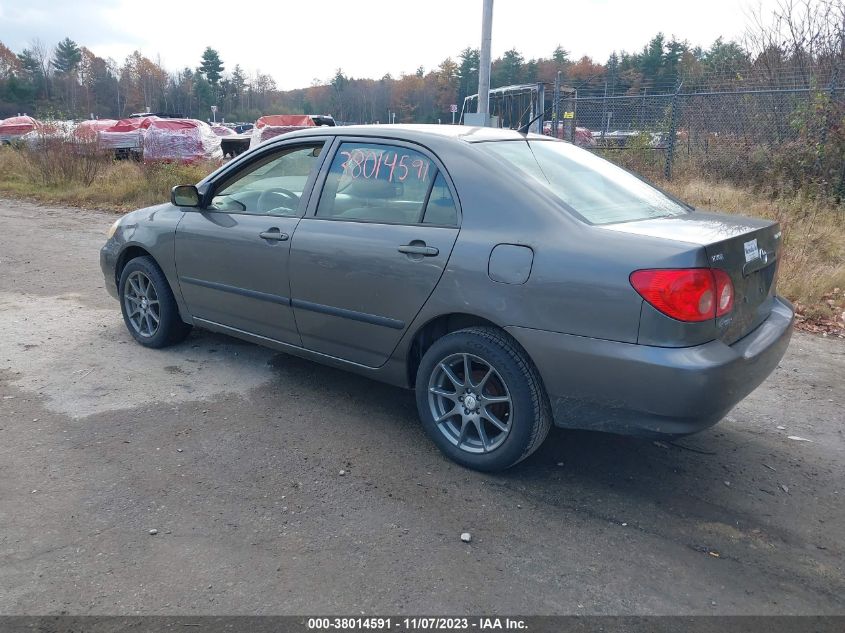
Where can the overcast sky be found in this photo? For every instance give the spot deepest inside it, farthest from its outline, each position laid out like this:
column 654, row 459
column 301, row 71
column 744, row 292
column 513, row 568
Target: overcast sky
column 366, row 38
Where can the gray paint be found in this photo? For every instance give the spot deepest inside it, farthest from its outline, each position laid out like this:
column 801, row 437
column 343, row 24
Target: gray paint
column 625, row 388
column 510, row 264
column 217, row 253
column 152, row 229
column 357, row 266
column 342, row 293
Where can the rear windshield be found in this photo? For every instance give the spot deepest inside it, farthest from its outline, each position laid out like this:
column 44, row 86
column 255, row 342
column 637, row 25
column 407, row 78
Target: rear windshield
column 596, row 189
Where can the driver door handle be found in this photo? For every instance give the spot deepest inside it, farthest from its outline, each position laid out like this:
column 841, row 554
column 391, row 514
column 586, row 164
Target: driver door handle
column 274, row 234
column 419, row 249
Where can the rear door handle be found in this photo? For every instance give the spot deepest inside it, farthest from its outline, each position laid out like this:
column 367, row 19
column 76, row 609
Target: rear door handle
column 416, row 249
column 274, row 234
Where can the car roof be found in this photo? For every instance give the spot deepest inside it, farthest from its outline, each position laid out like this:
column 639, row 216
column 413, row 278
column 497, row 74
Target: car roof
column 420, row 132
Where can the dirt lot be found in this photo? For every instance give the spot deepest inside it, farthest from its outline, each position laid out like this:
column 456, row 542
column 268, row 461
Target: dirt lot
column 233, row 454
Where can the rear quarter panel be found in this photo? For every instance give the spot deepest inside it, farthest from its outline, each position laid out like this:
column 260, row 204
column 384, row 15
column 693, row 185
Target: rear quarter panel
column 579, row 279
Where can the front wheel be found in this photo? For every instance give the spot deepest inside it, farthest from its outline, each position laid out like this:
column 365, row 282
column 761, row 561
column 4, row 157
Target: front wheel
column 481, row 399
column 148, row 306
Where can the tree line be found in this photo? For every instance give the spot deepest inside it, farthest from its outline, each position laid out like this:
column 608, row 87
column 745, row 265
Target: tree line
column 800, row 45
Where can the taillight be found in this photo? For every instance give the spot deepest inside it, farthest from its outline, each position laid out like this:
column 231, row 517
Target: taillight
column 724, row 292
column 686, row 294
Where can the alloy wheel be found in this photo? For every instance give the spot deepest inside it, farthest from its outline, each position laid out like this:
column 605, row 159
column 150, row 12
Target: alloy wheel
column 470, row 403
column 140, row 299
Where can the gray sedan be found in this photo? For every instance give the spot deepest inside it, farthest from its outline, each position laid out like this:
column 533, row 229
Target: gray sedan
column 514, row 281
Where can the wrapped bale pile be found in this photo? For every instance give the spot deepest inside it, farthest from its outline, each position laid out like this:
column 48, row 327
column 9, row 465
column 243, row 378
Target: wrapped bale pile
column 222, row 130
column 126, row 137
column 275, row 124
column 181, row 141
column 88, row 131
column 15, row 128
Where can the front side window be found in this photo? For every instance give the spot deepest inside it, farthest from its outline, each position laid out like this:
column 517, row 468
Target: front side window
column 272, row 185
column 371, row 182
column 596, row 189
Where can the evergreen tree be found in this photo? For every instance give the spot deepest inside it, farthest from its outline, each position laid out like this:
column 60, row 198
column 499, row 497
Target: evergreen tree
column 612, row 67
column 67, row 56
column 204, row 94
column 19, row 92
column 508, row 70
column 725, row 56
column 211, row 66
column 530, row 71
column 651, row 59
column 29, row 65
column 238, row 79
column 468, row 73
column 671, row 60
column 33, row 80
column 560, row 57
column 339, row 83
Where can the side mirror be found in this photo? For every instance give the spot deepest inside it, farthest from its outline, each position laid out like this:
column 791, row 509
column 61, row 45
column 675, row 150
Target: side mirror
column 185, row 196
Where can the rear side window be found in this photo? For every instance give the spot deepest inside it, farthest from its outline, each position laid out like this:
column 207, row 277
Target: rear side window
column 441, row 207
column 596, row 189
column 370, row 182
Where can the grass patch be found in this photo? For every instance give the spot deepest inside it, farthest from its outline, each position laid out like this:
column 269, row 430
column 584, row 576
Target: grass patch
column 117, row 185
column 812, row 268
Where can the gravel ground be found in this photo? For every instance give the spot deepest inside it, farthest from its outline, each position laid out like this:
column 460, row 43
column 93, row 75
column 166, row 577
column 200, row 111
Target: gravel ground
column 233, row 453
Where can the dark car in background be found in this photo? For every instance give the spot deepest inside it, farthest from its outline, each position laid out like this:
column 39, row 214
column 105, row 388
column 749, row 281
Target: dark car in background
column 249, row 135
column 514, row 281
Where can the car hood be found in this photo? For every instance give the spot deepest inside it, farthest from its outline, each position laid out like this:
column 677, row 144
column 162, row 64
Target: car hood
column 695, row 228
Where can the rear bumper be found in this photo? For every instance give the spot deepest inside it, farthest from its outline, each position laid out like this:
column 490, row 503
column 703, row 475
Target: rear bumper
column 643, row 390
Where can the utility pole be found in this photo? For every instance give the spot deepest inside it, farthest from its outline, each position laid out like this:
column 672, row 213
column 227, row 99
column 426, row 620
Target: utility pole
column 556, row 107
column 485, row 61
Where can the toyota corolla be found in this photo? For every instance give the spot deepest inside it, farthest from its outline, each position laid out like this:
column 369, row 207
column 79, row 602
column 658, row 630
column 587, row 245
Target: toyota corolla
column 514, row 281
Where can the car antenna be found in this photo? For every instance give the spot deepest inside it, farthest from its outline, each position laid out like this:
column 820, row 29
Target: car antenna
column 523, row 129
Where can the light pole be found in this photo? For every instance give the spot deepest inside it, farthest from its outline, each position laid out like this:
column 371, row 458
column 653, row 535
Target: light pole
column 484, row 61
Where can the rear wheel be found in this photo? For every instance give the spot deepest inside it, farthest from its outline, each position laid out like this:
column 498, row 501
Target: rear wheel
column 481, row 399
column 148, row 306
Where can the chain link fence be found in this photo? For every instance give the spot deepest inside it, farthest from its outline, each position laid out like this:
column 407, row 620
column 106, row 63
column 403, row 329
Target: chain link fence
column 790, row 136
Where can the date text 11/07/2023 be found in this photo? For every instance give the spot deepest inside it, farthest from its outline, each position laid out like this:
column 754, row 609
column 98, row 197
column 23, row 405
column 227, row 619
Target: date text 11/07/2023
column 416, row 624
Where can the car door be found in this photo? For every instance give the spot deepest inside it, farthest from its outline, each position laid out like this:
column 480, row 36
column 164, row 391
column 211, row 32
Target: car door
column 371, row 248
column 232, row 256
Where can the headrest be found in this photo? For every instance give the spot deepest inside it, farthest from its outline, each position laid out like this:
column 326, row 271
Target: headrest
column 372, row 188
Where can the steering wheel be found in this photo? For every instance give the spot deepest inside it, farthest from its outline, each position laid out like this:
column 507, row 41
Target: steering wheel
column 277, row 198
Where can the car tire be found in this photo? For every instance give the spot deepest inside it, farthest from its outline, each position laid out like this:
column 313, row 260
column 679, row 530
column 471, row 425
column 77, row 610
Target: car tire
column 504, row 386
column 148, row 306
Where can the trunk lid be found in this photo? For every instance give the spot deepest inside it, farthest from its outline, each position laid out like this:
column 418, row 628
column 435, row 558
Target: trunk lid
column 747, row 249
